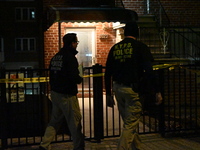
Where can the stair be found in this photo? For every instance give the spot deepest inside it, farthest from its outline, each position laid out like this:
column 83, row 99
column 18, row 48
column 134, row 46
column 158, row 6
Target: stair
column 146, row 21
column 150, row 35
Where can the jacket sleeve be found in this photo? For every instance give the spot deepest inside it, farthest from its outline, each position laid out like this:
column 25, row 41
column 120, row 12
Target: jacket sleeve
column 71, row 70
column 150, row 79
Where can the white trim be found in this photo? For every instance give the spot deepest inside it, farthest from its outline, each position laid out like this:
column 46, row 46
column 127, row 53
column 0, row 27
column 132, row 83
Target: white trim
column 93, row 38
column 118, row 25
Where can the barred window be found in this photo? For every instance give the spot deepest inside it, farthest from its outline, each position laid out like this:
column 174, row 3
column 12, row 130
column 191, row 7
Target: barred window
column 25, row 14
column 25, row 44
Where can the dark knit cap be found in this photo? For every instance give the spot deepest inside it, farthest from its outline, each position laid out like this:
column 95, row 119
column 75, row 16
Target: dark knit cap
column 131, row 29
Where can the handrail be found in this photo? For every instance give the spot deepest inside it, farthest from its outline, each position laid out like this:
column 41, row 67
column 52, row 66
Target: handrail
column 196, row 58
column 179, row 42
column 120, row 2
column 186, row 39
column 165, row 14
column 158, row 10
column 197, row 33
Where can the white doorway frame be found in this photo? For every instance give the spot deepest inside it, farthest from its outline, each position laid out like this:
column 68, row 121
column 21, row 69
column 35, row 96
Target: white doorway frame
column 92, row 33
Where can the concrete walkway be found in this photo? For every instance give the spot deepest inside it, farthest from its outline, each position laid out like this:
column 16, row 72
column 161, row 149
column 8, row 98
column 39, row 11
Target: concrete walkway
column 149, row 142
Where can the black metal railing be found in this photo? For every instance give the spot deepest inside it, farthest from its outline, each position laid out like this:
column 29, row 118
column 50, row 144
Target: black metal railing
column 181, row 100
column 183, row 43
column 24, row 117
column 156, row 8
column 173, row 42
column 119, row 3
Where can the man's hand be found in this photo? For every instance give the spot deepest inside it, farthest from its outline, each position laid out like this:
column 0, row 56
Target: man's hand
column 110, row 101
column 80, row 68
column 158, row 98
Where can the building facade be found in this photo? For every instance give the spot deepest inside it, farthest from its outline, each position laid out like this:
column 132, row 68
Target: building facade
column 21, row 34
column 29, row 37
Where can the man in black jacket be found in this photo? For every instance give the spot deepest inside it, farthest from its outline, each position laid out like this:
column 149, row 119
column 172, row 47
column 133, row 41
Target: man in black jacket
column 127, row 61
column 64, row 77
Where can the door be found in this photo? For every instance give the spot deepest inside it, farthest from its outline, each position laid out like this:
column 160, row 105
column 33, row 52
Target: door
column 86, row 46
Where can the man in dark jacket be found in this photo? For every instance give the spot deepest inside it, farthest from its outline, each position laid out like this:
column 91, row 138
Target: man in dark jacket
column 126, row 63
column 64, row 77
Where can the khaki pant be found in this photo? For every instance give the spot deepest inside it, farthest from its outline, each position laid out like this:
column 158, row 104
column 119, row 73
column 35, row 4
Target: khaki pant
column 64, row 106
column 130, row 110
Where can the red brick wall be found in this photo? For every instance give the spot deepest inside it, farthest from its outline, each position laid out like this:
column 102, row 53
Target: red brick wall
column 180, row 12
column 183, row 12
column 103, row 45
column 50, row 43
column 136, row 5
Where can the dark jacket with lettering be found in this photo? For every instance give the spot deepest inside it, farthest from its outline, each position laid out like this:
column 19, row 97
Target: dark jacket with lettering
column 64, row 73
column 126, row 63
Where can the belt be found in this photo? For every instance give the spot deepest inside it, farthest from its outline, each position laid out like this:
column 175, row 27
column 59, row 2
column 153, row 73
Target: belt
column 124, row 84
column 132, row 85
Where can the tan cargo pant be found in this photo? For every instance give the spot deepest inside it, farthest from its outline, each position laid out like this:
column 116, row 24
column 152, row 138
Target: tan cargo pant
column 64, row 106
column 130, row 109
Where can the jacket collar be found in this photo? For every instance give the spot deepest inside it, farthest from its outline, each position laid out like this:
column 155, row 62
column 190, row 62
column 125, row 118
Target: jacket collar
column 70, row 49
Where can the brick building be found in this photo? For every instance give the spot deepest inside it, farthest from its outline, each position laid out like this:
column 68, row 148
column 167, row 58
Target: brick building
column 106, row 33
column 21, row 35
column 31, row 33
column 96, row 35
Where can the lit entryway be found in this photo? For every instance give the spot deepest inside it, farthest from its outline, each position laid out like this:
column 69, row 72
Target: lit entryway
column 86, row 46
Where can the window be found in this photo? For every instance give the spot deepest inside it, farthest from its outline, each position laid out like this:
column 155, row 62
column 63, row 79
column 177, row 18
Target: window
column 27, row 70
column 25, row 14
column 25, row 44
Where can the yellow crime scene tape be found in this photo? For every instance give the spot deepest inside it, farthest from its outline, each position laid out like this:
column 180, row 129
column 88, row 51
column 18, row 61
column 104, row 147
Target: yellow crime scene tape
column 94, row 75
column 191, row 70
column 46, row 79
column 163, row 66
column 25, row 80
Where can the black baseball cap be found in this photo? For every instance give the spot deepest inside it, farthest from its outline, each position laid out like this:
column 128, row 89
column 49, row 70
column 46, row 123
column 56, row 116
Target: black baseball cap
column 131, row 29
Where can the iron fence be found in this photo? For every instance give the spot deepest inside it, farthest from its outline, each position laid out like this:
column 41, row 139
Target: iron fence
column 26, row 106
column 182, row 106
column 172, row 42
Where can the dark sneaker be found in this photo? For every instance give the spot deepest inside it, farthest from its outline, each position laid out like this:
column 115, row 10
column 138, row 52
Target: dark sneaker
column 42, row 148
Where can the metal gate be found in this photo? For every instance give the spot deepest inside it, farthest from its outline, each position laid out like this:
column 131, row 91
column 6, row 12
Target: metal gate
column 25, row 106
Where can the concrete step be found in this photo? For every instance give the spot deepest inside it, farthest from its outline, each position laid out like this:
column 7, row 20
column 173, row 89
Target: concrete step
column 173, row 60
column 146, row 18
column 146, row 21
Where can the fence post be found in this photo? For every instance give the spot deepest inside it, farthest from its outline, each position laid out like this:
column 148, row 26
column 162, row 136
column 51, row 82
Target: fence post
column 98, row 103
column 162, row 106
column 3, row 111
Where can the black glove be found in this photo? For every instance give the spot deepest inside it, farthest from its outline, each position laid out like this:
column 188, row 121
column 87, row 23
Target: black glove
column 110, row 101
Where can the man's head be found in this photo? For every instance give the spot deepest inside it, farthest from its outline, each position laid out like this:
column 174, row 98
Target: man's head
column 70, row 40
column 131, row 29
